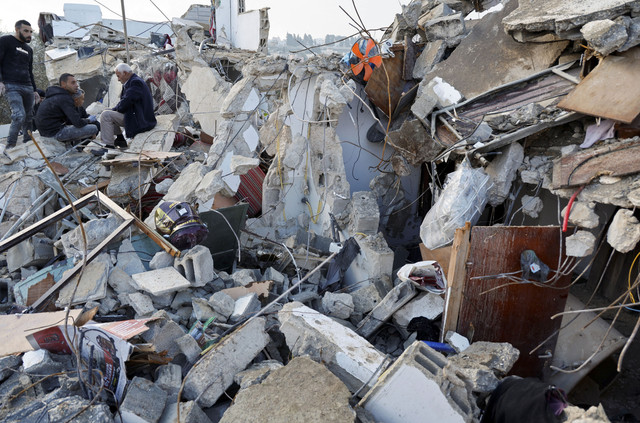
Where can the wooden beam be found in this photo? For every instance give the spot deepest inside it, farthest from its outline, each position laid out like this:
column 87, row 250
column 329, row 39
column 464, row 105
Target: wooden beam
column 456, row 277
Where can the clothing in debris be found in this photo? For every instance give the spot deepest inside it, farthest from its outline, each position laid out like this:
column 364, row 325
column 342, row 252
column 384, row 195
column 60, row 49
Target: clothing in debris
column 16, row 73
column 136, row 106
column 526, row 400
column 57, row 117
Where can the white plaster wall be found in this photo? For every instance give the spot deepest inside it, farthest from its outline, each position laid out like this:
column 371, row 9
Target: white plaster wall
column 361, row 156
column 239, row 30
column 246, row 32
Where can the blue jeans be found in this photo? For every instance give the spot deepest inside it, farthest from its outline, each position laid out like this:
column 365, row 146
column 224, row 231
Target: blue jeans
column 21, row 99
column 71, row 133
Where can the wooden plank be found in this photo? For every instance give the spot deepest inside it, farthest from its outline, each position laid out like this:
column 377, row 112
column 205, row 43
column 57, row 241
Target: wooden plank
column 610, row 91
column 456, row 275
column 616, row 159
column 101, row 185
column 516, row 313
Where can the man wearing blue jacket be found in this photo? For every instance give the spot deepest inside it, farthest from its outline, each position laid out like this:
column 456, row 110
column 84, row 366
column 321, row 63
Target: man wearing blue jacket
column 134, row 111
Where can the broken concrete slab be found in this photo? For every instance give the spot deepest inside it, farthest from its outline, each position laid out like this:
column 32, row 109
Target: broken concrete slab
column 141, row 303
column 560, row 17
column 580, row 244
column 256, row 373
column 501, row 61
column 162, row 333
column 624, row 232
column 224, row 360
column 350, row 357
column 159, row 138
column 205, row 90
column 374, row 263
column 196, row 265
column 121, row 282
column 184, row 188
column 222, row 304
column 240, row 165
column 203, row 311
column 420, row 372
column 96, row 231
column 432, row 54
column 161, row 281
column 414, row 142
column 301, row 391
column 503, row 171
column 365, row 213
column 392, row 302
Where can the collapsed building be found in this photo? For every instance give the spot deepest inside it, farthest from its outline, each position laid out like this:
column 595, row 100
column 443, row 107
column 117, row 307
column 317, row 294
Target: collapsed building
column 391, row 233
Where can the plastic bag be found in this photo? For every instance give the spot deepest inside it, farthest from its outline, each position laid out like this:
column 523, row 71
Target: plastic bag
column 426, row 275
column 462, row 199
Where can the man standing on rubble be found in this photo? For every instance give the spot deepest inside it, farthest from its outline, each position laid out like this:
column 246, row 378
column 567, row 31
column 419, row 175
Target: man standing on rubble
column 134, row 111
column 16, row 79
column 58, row 117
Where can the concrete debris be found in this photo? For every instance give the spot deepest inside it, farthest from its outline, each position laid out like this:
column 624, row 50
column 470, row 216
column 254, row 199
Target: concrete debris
column 227, row 358
column 420, row 371
column 581, row 244
column 624, row 232
column 296, row 156
column 349, row 356
column 301, row 391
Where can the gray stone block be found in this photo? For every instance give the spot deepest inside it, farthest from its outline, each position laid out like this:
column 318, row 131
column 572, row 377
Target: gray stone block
column 169, row 378
column 142, row 304
column 144, row 401
column 128, row 259
column 161, row 281
column 189, row 347
column 214, row 373
column 337, row 305
column 223, row 304
column 160, row 260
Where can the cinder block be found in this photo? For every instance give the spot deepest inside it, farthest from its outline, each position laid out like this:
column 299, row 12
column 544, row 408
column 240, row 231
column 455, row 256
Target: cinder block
column 419, row 373
column 144, row 402
column 214, row 373
column 196, row 265
column 396, row 298
column 365, row 213
column 169, row 378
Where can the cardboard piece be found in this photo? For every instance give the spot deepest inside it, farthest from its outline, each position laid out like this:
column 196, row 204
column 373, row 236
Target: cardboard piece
column 262, row 289
column 16, row 327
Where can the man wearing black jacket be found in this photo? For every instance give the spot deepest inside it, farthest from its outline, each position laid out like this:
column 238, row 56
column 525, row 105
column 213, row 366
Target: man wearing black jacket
column 134, row 111
column 58, row 117
column 16, row 79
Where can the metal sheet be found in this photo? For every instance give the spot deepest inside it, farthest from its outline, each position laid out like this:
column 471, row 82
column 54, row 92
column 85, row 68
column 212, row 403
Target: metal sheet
column 518, row 314
column 611, row 90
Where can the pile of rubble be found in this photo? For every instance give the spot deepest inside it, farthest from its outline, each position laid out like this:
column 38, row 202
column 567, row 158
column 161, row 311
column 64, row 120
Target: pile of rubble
column 361, row 262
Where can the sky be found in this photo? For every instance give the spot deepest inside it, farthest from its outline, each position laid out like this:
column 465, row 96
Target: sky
column 317, row 18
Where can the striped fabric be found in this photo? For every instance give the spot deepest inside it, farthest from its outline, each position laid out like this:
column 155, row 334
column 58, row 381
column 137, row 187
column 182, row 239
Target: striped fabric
column 250, row 190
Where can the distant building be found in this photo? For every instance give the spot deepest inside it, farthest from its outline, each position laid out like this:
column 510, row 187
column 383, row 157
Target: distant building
column 233, row 26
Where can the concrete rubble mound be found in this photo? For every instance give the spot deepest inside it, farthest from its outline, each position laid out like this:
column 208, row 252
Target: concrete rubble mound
column 438, row 224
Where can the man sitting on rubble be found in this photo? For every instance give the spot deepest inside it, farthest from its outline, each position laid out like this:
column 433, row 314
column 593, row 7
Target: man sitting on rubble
column 134, row 111
column 58, row 117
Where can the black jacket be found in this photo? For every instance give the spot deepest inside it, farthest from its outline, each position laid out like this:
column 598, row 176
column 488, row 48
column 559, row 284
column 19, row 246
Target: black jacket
column 136, row 104
column 56, row 111
column 16, row 62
